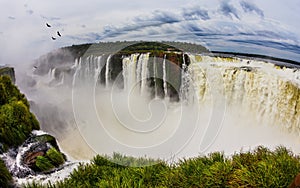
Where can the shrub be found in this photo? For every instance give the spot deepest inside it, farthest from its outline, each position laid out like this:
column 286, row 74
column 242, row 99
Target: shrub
column 5, row 177
column 16, row 120
column 55, row 157
column 43, row 164
column 258, row 168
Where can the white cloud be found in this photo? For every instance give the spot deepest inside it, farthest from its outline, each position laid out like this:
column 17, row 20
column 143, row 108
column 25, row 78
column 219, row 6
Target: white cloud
column 86, row 21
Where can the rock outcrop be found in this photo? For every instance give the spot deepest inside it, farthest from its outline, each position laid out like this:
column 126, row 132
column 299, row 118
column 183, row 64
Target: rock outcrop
column 8, row 71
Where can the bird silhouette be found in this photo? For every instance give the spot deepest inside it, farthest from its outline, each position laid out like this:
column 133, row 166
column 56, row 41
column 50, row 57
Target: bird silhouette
column 48, row 25
column 58, row 33
column 53, row 38
column 35, row 67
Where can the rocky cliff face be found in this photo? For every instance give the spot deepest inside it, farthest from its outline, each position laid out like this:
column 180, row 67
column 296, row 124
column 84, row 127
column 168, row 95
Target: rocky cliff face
column 9, row 71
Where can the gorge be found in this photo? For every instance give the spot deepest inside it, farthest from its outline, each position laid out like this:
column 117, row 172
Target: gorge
column 126, row 94
column 157, row 100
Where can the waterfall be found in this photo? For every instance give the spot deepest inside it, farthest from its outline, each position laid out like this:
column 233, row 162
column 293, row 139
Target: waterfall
column 87, row 69
column 107, row 71
column 62, row 79
column 129, row 65
column 258, row 88
column 155, row 76
column 52, row 75
column 98, row 68
column 257, row 94
column 165, row 77
column 144, row 72
column 135, row 71
column 184, row 87
column 139, row 69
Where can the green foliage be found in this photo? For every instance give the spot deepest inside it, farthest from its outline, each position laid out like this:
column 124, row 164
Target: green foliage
column 43, row 163
column 16, row 120
column 131, row 161
column 5, row 177
column 55, row 157
column 10, row 92
column 16, row 123
column 142, row 47
column 132, row 46
column 259, row 168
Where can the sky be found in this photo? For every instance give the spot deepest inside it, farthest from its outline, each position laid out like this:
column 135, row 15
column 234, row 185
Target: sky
column 234, row 25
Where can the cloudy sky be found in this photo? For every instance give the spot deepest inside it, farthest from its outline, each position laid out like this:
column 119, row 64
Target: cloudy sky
column 236, row 25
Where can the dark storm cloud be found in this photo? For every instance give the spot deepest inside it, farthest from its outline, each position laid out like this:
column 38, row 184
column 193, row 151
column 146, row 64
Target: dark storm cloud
column 250, row 7
column 195, row 14
column 228, row 10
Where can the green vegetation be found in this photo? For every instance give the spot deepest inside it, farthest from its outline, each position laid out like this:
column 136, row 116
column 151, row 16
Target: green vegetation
column 132, row 46
column 259, row 168
column 56, row 158
column 52, row 158
column 5, row 177
column 143, row 47
column 43, row 163
column 16, row 120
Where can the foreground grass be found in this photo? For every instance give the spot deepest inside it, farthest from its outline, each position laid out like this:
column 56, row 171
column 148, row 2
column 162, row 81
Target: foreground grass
column 259, row 168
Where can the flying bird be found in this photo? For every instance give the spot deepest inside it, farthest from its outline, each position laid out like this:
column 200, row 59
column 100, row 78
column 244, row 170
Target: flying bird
column 53, row 38
column 35, row 67
column 48, row 25
column 58, row 33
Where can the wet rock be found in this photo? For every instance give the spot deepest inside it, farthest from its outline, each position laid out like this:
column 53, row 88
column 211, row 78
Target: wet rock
column 246, row 68
column 30, row 158
column 8, row 71
column 23, row 161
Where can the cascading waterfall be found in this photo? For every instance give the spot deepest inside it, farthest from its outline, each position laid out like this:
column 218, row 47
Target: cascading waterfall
column 135, row 71
column 144, row 73
column 107, row 71
column 52, row 73
column 165, row 77
column 129, row 65
column 155, row 76
column 184, row 88
column 255, row 88
column 98, row 68
column 139, row 69
column 258, row 87
column 62, row 81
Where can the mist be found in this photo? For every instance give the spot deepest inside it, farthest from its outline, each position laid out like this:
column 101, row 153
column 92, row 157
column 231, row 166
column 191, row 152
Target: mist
column 88, row 118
